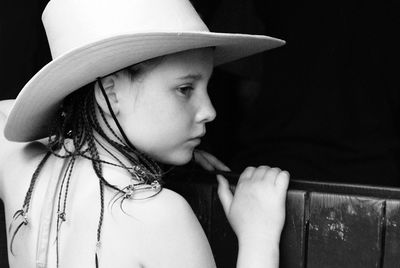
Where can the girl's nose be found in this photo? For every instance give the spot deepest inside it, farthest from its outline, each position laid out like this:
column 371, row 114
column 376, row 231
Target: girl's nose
column 206, row 111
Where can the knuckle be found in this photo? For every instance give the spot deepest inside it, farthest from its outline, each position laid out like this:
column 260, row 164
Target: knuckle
column 263, row 167
column 247, row 173
column 285, row 173
column 273, row 172
column 248, row 169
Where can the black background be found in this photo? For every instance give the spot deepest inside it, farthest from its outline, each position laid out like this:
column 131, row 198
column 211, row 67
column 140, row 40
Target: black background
column 324, row 107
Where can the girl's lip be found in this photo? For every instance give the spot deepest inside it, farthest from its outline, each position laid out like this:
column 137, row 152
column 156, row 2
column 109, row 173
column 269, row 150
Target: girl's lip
column 200, row 136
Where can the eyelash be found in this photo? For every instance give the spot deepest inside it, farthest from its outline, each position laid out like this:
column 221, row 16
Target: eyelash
column 185, row 90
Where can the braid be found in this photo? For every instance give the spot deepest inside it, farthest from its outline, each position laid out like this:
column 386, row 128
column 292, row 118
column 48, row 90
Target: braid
column 101, row 213
column 100, row 131
column 25, row 207
column 35, row 175
column 100, row 224
column 97, row 166
column 61, row 213
column 77, row 120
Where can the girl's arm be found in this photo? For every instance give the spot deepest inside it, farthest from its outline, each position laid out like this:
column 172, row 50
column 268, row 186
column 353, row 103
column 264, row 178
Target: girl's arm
column 256, row 213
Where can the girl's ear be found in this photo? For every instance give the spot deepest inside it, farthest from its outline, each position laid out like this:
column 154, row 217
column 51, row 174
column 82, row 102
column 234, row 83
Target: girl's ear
column 110, row 91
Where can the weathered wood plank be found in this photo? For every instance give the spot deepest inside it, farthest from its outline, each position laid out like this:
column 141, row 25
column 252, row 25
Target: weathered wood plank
column 392, row 235
column 344, row 231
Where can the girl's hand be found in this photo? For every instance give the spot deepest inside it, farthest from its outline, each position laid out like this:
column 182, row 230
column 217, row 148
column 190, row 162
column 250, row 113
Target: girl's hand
column 257, row 209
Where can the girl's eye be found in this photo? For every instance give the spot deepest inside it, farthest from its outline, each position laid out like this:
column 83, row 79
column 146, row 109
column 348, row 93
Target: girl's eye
column 185, row 90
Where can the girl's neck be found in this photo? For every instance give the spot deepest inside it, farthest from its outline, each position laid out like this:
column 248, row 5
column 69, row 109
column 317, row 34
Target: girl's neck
column 109, row 153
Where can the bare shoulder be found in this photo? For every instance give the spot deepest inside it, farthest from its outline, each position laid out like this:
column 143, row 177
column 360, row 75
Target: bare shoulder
column 18, row 161
column 176, row 234
column 5, row 107
column 174, row 204
column 14, row 156
column 8, row 147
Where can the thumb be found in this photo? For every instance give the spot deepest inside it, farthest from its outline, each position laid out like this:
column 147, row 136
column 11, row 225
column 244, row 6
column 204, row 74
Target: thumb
column 224, row 193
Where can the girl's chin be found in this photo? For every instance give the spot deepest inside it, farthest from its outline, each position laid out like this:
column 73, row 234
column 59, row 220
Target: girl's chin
column 177, row 159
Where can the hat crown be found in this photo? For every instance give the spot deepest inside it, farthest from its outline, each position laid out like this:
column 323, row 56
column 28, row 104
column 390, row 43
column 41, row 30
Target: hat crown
column 70, row 24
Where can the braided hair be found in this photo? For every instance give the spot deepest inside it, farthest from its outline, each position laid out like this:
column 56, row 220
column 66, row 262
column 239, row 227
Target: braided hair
column 77, row 122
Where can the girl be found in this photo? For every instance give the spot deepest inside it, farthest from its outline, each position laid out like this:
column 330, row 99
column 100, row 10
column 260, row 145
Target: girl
column 124, row 98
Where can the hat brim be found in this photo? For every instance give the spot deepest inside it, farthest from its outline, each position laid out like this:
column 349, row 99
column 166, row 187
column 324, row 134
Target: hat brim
column 38, row 100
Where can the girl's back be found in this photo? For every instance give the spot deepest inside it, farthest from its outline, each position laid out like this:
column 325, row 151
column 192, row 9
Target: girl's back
column 144, row 233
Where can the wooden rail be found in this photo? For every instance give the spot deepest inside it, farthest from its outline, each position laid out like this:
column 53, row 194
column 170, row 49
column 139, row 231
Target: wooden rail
column 327, row 224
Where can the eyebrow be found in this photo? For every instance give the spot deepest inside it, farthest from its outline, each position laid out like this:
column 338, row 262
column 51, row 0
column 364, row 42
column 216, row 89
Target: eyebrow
column 191, row 76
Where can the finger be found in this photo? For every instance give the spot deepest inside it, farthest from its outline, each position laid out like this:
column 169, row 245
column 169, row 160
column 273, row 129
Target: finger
column 282, row 180
column 202, row 161
column 216, row 162
column 246, row 174
column 271, row 175
column 213, row 161
column 260, row 172
column 224, row 193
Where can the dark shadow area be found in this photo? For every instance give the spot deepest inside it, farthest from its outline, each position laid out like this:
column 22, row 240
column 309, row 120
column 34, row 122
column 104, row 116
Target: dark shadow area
column 325, row 106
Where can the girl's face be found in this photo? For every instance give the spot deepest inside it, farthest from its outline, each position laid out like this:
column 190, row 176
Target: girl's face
column 164, row 110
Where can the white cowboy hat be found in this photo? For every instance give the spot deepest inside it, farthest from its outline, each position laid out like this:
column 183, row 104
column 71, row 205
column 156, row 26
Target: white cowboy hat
column 93, row 38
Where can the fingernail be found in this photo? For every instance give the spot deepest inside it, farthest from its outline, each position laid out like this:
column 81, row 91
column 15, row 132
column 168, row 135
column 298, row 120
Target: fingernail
column 227, row 168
